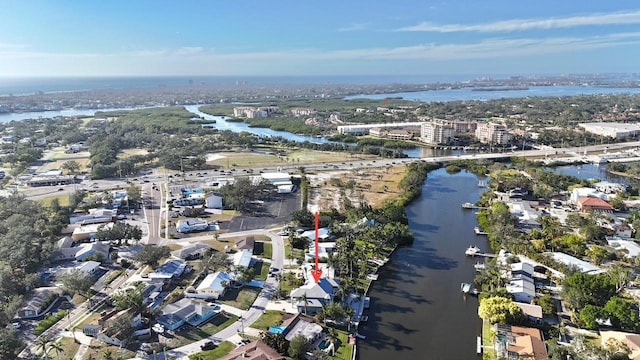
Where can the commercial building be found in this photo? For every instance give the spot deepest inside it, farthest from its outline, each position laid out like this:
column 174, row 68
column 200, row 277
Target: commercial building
column 612, row 129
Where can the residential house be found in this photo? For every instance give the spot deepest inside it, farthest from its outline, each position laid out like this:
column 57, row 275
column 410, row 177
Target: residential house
column 242, row 258
column 191, row 252
column 39, row 302
column 101, row 250
column 317, row 295
column 212, row 286
column 574, row 262
column 110, row 334
column 521, row 284
column 517, row 342
column 323, row 234
column 89, row 267
column 87, row 232
column 586, row 192
column 302, row 325
column 531, row 311
column 631, row 340
column 186, row 311
column 255, row 350
column 171, row 269
column 324, row 249
column 629, row 247
column 247, row 243
column 623, row 230
column 594, row 204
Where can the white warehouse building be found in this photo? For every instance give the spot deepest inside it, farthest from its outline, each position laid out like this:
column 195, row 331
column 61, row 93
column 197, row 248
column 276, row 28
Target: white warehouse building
column 614, row 130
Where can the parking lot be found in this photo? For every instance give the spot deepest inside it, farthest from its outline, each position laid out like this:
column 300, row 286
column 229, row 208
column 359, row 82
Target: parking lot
column 275, row 211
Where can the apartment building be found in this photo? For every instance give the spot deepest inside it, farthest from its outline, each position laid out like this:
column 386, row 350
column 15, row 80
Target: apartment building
column 436, row 133
column 491, row 133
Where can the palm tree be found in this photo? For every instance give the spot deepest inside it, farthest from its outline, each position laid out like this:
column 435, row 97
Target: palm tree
column 43, row 343
column 55, row 345
column 107, row 355
column 306, row 302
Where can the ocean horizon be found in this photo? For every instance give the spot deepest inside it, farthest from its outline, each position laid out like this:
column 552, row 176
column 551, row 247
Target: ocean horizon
column 25, row 86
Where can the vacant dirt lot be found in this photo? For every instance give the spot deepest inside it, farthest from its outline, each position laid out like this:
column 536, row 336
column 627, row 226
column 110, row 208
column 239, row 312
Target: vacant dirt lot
column 336, row 189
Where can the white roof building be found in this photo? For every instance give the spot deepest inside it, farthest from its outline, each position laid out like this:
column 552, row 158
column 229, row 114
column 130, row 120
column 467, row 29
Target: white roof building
column 211, row 286
column 88, row 267
column 586, row 192
column 569, row 260
column 242, row 258
column 631, row 248
column 611, row 129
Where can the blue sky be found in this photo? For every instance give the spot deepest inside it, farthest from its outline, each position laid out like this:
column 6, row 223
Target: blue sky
column 293, row 37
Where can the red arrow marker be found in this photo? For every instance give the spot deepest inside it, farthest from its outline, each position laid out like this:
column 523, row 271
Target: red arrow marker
column 316, row 272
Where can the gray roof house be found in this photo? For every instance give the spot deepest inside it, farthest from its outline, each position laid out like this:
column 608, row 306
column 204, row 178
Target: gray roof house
column 318, row 295
column 186, row 311
column 194, row 251
column 39, row 302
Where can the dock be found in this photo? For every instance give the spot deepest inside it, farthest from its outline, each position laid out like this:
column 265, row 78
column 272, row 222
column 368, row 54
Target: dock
column 479, row 231
column 479, row 345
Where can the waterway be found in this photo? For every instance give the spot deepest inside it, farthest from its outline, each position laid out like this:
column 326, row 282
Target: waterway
column 467, row 94
column 417, row 310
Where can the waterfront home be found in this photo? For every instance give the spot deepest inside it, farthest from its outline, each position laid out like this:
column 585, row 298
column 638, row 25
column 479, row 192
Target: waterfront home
column 324, row 249
column 39, row 302
column 304, row 326
column 527, row 343
column 212, row 286
column 323, row 234
column 586, row 192
column 630, row 340
column 571, row 261
column 255, row 350
column 317, row 295
column 186, row 311
column 531, row 311
column 171, row 269
column 608, row 187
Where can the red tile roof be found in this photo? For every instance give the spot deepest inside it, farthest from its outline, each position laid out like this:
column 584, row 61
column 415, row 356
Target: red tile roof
column 595, row 203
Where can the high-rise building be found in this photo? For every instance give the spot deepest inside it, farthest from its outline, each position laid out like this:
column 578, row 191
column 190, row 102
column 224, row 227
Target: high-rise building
column 490, row 133
column 436, row 133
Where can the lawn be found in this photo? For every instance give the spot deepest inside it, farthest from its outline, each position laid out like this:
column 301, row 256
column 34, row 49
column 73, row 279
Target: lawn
column 344, row 350
column 290, row 282
column 298, row 157
column 97, row 349
column 69, row 349
column 131, row 152
column 240, row 298
column 268, row 319
column 63, row 200
column 222, row 350
column 188, row 334
column 262, row 270
column 487, row 343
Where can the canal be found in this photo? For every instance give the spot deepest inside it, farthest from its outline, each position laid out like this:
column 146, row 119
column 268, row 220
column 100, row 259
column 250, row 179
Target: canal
column 417, row 310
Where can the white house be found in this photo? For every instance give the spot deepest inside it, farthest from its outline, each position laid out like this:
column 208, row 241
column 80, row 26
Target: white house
column 608, row 187
column 171, row 269
column 521, row 284
column 212, row 287
column 242, row 258
column 324, row 249
column 96, row 248
column 586, row 192
column 88, row 267
column 629, row 247
column 317, row 294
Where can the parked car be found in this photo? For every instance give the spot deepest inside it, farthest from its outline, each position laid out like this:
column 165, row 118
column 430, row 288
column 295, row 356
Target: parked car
column 209, row 345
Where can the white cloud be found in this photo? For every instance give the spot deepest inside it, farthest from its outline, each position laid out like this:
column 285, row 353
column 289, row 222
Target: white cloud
column 353, row 27
column 195, row 60
column 618, row 18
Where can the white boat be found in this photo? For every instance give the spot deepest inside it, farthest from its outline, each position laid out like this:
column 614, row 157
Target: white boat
column 466, row 288
column 468, row 205
column 479, row 266
column 472, row 251
column 482, row 183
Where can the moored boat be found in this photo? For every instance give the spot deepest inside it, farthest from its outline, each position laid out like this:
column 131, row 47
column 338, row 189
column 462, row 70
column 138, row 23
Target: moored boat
column 472, row 251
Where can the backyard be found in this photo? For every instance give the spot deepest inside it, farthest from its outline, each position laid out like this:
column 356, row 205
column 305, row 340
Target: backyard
column 220, row 351
column 268, row 319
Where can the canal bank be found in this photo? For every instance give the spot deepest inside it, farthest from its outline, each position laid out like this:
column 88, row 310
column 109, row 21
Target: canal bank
column 417, row 309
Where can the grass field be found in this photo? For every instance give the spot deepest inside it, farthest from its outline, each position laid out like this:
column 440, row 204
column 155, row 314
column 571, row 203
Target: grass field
column 268, row 319
column 487, row 343
column 262, row 270
column 299, row 157
column 344, row 350
column 62, row 199
column 97, row 349
column 69, row 349
column 131, row 152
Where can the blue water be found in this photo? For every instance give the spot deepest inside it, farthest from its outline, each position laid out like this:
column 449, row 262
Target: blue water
column 467, row 94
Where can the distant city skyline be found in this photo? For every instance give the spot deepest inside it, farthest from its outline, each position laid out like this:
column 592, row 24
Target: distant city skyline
column 43, row 38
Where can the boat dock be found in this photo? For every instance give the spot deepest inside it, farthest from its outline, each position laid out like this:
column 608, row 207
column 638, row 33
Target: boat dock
column 479, row 231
